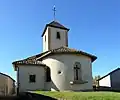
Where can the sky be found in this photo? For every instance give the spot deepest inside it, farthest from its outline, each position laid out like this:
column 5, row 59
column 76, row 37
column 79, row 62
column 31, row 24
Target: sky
column 94, row 28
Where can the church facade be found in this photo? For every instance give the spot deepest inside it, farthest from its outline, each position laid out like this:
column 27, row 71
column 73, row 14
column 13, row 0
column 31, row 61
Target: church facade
column 58, row 67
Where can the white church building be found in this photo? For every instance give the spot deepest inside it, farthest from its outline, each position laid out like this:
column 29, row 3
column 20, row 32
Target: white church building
column 58, row 67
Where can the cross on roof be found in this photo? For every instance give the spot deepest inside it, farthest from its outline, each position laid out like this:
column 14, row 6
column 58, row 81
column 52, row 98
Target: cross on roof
column 54, row 10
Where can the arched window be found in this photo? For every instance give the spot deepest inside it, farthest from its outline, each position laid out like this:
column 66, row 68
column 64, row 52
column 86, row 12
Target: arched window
column 77, row 71
column 48, row 76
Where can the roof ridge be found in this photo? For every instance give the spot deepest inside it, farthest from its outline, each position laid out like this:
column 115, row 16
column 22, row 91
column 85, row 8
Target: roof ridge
column 56, row 22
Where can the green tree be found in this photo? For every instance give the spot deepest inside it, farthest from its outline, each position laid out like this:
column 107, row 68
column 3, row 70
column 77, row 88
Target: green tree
column 95, row 82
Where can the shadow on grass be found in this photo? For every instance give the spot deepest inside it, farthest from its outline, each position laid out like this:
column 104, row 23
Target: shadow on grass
column 27, row 96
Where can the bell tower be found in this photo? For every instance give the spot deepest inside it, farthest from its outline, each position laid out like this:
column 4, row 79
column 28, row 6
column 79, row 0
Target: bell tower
column 54, row 36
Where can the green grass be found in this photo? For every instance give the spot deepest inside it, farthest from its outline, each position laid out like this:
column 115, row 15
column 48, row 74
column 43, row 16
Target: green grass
column 82, row 95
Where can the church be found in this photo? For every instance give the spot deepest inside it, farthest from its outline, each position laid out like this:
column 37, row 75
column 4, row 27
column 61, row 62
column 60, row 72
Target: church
column 57, row 67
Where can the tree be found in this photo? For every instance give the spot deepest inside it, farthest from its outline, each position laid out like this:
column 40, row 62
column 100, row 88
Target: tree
column 95, row 82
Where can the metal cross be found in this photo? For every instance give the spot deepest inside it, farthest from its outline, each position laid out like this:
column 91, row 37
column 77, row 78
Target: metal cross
column 54, row 10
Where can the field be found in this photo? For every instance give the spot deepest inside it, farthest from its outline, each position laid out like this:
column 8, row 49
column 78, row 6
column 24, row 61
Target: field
column 81, row 95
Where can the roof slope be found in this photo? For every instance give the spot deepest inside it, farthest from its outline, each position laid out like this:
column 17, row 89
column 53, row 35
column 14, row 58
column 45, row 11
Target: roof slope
column 7, row 76
column 56, row 25
column 109, row 74
column 29, row 61
column 67, row 50
column 33, row 60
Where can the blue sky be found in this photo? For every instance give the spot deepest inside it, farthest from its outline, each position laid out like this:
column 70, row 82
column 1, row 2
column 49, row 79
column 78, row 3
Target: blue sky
column 94, row 28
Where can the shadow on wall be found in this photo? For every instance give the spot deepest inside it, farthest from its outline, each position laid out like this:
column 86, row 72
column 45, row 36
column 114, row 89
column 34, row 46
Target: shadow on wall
column 50, row 85
column 54, row 86
column 27, row 96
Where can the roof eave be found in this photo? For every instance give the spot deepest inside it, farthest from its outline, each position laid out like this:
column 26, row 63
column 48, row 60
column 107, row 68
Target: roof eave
column 44, row 31
column 93, row 58
column 59, row 27
column 39, row 58
column 14, row 66
column 54, row 27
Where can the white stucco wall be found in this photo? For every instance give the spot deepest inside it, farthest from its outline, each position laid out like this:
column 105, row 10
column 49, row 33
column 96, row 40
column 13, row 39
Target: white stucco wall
column 11, row 86
column 65, row 64
column 105, row 81
column 54, row 42
column 3, row 85
column 45, row 43
column 25, row 71
column 6, row 85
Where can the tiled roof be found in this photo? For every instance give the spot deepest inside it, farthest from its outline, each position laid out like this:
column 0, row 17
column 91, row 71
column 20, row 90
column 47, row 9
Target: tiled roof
column 33, row 60
column 29, row 62
column 67, row 50
column 56, row 25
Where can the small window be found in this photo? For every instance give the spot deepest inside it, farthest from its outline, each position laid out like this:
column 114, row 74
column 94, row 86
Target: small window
column 32, row 78
column 45, row 38
column 58, row 35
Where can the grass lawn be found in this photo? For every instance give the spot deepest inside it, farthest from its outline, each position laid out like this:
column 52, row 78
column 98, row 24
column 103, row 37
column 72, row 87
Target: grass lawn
column 82, row 95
